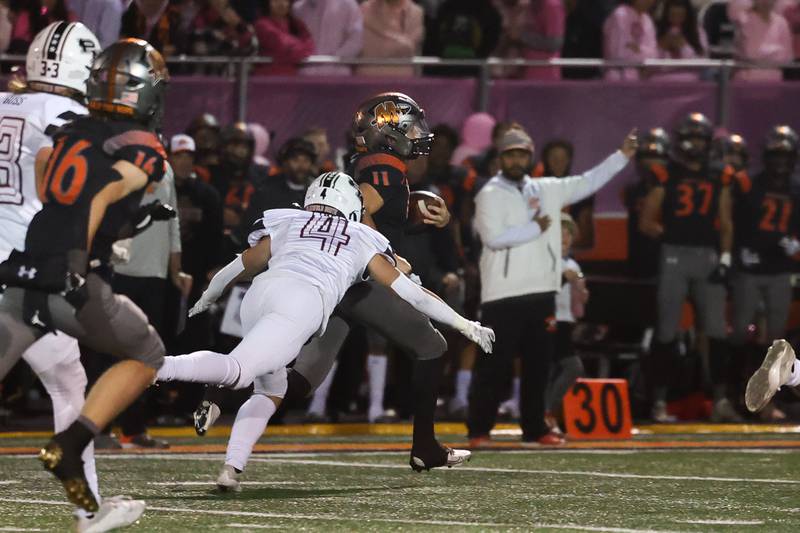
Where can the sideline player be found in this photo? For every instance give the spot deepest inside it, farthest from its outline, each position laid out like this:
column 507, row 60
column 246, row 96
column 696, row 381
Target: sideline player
column 90, row 184
column 58, row 63
column 690, row 209
column 313, row 260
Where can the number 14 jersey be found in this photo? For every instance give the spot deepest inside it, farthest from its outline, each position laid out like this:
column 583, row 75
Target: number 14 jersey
column 329, row 252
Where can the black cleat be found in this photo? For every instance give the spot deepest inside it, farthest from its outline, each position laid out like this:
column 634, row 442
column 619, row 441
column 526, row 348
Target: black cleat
column 67, row 465
column 436, row 458
column 204, row 417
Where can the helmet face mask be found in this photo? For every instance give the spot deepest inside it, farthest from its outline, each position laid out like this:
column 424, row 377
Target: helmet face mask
column 694, row 138
column 394, row 123
column 780, row 153
column 335, row 193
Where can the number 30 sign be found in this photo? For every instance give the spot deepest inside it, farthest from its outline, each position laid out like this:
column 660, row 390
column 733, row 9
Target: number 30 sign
column 598, row 409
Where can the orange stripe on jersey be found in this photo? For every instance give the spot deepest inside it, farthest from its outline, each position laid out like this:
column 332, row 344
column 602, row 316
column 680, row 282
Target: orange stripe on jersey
column 470, row 179
column 660, row 172
column 380, row 159
column 744, row 181
column 134, row 138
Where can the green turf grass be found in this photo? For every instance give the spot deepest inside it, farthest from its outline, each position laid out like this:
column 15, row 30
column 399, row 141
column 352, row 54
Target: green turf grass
column 497, row 491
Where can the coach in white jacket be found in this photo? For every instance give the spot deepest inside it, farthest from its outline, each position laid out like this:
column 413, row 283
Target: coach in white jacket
column 520, row 273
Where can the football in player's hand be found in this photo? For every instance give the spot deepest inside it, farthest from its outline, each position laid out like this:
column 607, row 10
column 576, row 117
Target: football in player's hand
column 419, row 203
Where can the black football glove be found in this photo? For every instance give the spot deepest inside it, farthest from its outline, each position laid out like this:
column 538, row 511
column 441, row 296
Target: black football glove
column 721, row 274
column 149, row 213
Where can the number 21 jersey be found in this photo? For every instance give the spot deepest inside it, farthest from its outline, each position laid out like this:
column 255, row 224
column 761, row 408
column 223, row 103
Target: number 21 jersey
column 26, row 122
column 327, row 251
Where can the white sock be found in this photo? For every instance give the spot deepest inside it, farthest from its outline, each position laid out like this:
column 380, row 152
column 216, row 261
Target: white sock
column 376, row 368
column 66, row 385
column 320, row 398
column 251, row 421
column 794, row 378
column 463, row 380
column 515, row 391
column 201, row 367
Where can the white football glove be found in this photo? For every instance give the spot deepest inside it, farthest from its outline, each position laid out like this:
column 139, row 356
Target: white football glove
column 205, row 301
column 480, row 335
column 790, row 245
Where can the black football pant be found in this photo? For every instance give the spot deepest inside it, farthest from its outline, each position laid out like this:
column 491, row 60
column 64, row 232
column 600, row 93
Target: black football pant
column 524, row 326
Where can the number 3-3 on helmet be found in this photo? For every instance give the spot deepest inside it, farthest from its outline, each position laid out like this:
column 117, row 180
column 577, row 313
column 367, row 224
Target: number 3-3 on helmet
column 61, row 56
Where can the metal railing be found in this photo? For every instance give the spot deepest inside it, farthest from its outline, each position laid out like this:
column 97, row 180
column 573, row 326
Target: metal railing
column 238, row 68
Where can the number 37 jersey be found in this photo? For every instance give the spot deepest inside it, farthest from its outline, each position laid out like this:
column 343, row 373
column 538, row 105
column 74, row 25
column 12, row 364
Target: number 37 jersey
column 327, row 251
column 26, row 122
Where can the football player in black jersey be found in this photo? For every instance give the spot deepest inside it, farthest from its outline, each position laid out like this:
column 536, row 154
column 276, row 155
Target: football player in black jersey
column 767, row 231
column 689, row 209
column 91, row 183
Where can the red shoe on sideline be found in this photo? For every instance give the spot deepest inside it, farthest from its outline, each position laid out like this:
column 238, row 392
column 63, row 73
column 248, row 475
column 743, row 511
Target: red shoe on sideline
column 548, row 439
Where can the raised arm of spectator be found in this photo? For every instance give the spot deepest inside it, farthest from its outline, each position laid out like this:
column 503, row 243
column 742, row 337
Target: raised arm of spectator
column 576, row 188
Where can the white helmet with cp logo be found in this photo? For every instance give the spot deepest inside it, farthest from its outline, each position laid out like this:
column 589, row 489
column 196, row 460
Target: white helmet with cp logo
column 339, row 193
column 61, row 55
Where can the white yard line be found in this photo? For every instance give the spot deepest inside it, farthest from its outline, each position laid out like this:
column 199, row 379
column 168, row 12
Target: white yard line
column 254, row 514
column 723, row 522
column 19, row 529
column 212, row 484
column 8, row 482
column 538, row 472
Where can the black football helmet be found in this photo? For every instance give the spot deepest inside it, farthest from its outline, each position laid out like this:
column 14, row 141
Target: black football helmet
column 654, row 145
column 780, row 152
column 693, row 137
column 394, row 123
column 730, row 150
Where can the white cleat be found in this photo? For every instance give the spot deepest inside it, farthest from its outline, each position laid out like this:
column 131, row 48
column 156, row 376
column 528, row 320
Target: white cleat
column 228, row 480
column 454, row 458
column 774, row 372
column 115, row 512
column 205, row 416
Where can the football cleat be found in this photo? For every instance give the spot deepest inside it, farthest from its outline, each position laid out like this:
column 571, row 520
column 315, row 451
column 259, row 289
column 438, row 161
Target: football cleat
column 448, row 457
column 724, row 411
column 204, row 416
column 773, row 373
column 115, row 512
column 228, row 480
column 67, row 466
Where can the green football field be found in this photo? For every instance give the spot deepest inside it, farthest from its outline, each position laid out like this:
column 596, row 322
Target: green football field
column 699, row 489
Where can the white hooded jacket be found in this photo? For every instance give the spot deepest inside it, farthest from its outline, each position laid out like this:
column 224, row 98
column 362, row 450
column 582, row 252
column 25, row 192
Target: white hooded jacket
column 514, row 261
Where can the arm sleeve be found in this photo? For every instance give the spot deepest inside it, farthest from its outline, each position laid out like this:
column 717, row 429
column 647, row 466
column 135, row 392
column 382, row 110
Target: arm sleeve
column 223, row 277
column 577, row 188
column 174, row 222
column 427, row 304
column 489, row 224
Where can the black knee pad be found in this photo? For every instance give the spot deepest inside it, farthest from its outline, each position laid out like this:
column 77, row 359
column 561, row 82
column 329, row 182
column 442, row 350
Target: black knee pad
column 298, row 387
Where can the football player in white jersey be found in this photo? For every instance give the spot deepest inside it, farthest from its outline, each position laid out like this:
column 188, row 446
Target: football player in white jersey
column 314, row 256
column 54, row 92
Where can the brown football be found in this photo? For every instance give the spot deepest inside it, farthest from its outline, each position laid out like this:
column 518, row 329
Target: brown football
column 418, row 202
